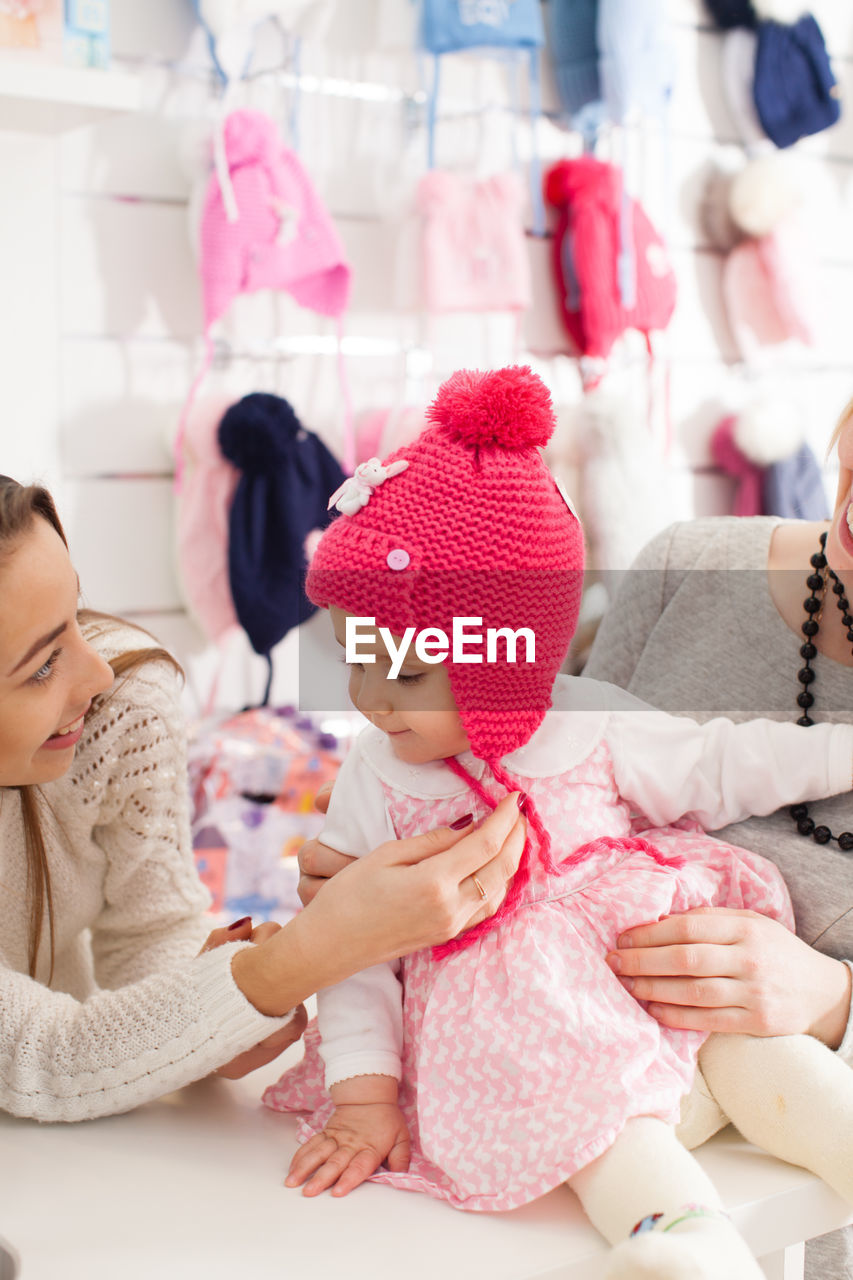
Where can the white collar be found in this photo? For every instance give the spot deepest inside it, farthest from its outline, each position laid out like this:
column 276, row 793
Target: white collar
column 571, row 729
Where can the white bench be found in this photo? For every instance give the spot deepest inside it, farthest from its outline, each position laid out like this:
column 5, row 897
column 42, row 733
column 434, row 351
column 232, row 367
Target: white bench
column 190, row 1188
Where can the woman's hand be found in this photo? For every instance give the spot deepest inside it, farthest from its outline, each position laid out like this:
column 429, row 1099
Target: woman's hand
column 269, row 1048
column 719, row 969
column 266, row 1050
column 418, row 892
column 405, row 895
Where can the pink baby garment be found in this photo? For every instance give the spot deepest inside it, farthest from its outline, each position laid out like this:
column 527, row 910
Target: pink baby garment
column 523, row 1055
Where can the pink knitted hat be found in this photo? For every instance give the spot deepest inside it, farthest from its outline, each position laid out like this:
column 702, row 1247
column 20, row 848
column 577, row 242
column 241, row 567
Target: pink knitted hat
column 474, row 250
column 766, row 291
column 283, row 237
column 589, row 261
column 747, row 474
column 475, row 526
column 267, row 229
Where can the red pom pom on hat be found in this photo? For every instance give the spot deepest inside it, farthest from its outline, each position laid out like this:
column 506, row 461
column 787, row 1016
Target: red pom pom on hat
column 510, row 408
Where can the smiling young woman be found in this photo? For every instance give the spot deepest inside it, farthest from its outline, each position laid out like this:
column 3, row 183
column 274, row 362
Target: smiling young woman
column 109, row 993
column 49, row 675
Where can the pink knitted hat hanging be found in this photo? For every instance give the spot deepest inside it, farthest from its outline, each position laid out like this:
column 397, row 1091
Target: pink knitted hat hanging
column 283, row 237
column 766, row 289
column 278, row 235
column 747, row 474
column 474, row 250
column 588, row 196
column 475, row 526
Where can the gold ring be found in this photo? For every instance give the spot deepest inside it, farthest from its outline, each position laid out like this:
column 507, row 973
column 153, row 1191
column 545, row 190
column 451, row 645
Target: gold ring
column 480, row 889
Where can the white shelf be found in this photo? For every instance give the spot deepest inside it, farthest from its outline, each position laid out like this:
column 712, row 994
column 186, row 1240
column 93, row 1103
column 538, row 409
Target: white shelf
column 40, row 98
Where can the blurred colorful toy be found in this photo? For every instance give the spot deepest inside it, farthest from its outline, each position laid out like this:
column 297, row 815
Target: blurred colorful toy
column 254, row 778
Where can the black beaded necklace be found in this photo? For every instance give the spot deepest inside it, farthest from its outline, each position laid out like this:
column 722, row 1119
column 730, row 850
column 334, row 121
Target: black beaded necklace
column 813, row 606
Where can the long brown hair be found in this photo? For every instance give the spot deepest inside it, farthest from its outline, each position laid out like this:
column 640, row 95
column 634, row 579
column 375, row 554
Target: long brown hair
column 20, row 505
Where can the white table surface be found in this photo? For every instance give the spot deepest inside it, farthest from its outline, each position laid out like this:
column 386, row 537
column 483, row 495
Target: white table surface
column 190, row 1188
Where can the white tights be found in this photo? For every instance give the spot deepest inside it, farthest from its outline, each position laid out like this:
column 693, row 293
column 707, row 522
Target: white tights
column 647, row 1171
column 789, row 1095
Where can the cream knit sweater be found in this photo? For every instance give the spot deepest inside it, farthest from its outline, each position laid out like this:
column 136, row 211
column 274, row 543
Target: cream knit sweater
column 132, row 1012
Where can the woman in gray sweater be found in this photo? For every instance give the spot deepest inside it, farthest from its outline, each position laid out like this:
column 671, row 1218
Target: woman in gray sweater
column 716, row 617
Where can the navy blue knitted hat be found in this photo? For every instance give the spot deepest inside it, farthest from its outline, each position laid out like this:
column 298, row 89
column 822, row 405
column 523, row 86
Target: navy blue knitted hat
column 286, row 476
column 795, row 91
column 732, row 13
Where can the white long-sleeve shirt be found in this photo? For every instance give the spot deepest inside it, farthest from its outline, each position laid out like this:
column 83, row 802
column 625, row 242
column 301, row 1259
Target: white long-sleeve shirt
column 132, row 1012
column 665, row 767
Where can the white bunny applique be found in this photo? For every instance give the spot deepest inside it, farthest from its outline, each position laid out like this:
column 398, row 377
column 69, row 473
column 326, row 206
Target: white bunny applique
column 356, row 490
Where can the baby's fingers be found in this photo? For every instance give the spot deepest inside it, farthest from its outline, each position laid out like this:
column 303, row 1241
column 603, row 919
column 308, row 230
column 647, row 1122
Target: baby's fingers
column 322, row 1163
column 309, row 1158
column 345, row 1168
column 400, row 1154
column 359, row 1169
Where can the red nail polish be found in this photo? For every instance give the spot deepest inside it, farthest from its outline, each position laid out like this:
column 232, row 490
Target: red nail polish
column 237, row 923
column 523, row 799
column 464, row 821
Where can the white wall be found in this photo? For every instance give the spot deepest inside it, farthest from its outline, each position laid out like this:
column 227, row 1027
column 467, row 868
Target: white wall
column 100, row 311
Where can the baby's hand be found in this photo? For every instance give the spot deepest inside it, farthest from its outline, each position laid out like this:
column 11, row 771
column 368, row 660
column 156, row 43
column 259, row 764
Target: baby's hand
column 357, row 1138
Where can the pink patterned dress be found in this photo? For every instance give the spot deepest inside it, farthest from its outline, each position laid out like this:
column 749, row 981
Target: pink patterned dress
column 523, row 1055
